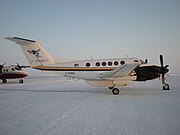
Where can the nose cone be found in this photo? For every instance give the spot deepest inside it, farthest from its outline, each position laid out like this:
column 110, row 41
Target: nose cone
column 164, row 70
column 22, row 74
column 25, row 74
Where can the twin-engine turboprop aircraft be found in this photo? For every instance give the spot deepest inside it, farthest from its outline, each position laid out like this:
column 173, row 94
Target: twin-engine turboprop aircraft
column 12, row 72
column 111, row 73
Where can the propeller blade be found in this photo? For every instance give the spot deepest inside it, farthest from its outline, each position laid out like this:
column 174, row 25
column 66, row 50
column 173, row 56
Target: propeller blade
column 146, row 61
column 161, row 60
column 1, row 66
column 162, row 69
column 20, row 67
column 166, row 66
column 25, row 66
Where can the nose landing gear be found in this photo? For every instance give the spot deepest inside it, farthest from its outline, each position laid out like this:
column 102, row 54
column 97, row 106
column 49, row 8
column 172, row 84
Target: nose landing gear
column 166, row 86
column 5, row 81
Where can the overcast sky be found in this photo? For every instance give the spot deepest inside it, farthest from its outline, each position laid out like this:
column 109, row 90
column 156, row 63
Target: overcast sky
column 79, row 29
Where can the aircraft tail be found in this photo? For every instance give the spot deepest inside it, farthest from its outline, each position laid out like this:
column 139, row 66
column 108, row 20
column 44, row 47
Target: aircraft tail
column 34, row 52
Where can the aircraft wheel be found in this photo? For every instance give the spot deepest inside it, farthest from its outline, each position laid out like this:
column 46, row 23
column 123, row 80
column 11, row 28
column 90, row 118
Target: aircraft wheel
column 166, row 87
column 21, row 81
column 4, row 80
column 115, row 91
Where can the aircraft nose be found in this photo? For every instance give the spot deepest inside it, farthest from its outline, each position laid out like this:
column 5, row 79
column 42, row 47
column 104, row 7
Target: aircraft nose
column 164, row 70
column 24, row 74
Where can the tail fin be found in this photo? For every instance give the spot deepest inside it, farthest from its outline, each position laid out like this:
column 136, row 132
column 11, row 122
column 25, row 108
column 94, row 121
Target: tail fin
column 34, row 52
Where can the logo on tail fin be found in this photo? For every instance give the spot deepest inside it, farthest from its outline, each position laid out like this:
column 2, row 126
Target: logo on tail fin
column 35, row 52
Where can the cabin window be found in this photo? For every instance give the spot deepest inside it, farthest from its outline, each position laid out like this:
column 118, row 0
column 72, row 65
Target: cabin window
column 136, row 61
column 122, row 62
column 116, row 63
column 110, row 63
column 104, row 63
column 6, row 70
column 13, row 69
column 76, row 65
column 88, row 64
column 97, row 64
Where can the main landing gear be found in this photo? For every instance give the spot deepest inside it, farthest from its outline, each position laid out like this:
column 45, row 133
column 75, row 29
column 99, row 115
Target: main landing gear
column 115, row 91
column 21, row 81
column 5, row 81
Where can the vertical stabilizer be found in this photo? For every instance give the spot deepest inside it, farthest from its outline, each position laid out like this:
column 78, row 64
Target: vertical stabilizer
column 34, row 52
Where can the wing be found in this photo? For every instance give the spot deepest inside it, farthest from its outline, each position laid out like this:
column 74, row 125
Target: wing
column 119, row 72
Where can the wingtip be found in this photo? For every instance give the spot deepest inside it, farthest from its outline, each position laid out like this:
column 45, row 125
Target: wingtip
column 8, row 38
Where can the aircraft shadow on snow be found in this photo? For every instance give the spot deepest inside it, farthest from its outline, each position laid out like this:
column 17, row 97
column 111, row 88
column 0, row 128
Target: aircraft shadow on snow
column 127, row 91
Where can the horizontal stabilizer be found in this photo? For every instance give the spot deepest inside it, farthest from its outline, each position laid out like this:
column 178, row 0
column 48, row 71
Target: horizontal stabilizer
column 18, row 40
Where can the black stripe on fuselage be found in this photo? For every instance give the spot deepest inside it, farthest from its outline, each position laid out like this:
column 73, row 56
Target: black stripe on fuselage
column 47, row 68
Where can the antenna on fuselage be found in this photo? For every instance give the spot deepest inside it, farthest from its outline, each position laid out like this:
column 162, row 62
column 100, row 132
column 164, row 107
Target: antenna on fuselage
column 127, row 56
column 91, row 58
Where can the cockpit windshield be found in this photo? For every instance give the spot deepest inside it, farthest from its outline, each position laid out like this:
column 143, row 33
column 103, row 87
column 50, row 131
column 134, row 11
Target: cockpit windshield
column 142, row 62
column 17, row 68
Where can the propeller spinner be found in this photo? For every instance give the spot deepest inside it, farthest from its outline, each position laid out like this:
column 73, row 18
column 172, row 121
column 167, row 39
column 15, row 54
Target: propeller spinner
column 1, row 67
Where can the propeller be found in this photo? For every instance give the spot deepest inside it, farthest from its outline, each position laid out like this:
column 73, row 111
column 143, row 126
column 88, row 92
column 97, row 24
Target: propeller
column 146, row 61
column 1, row 66
column 163, row 70
column 20, row 67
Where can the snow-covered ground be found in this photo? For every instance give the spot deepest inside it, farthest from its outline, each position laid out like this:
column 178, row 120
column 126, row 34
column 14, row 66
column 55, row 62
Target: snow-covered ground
column 56, row 106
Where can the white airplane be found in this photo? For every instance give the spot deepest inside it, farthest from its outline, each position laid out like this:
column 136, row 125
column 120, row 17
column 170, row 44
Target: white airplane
column 111, row 73
column 12, row 72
